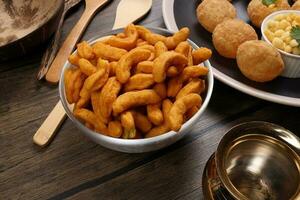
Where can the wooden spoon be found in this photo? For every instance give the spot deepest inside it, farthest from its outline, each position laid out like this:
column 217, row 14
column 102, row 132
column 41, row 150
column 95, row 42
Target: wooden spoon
column 47, row 130
column 91, row 7
column 138, row 8
column 129, row 11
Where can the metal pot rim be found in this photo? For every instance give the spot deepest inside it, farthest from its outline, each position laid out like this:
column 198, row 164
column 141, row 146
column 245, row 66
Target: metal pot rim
column 271, row 131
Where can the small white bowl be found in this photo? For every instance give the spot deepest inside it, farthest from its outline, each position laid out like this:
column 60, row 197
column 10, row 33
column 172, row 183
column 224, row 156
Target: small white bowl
column 145, row 144
column 291, row 61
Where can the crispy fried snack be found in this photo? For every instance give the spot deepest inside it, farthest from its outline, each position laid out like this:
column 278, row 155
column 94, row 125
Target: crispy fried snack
column 180, row 36
column 165, row 60
column 128, row 42
column 133, row 99
column 174, row 86
column 108, row 52
column 95, row 101
column 183, row 48
column 180, row 107
column 128, row 124
column 154, row 113
column 259, row 61
column 157, row 130
column 68, row 84
column 193, row 72
column 166, row 107
column 141, row 122
column 86, row 66
column 161, row 129
column 79, row 81
column 72, row 90
column 160, row 48
column 89, row 117
column 139, row 82
column 115, row 129
column 120, row 35
column 85, row 50
column 144, row 67
column 112, row 68
column 173, row 71
column 195, row 86
column 107, row 96
column 213, row 12
column 161, row 90
column 257, row 11
column 190, row 57
column 127, row 120
column 126, row 80
column 171, row 42
column 98, row 79
column 94, row 61
column 200, row 55
column 191, row 112
column 103, row 64
column 150, row 37
column 230, row 34
column 91, row 84
column 150, row 48
column 73, row 59
column 129, row 59
column 141, row 42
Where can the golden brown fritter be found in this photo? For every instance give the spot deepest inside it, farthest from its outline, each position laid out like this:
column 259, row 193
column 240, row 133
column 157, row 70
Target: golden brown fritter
column 212, row 12
column 259, row 61
column 257, row 11
column 230, row 34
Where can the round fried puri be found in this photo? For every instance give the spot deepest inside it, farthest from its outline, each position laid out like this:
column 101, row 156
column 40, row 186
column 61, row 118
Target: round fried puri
column 212, row 12
column 296, row 5
column 259, row 61
column 257, row 11
column 230, row 34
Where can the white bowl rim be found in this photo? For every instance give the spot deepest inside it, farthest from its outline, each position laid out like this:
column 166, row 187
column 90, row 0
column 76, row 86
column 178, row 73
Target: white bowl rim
column 268, row 18
column 142, row 141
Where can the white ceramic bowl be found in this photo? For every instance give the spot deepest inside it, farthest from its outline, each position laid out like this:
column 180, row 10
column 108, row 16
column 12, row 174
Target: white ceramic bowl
column 146, row 144
column 291, row 61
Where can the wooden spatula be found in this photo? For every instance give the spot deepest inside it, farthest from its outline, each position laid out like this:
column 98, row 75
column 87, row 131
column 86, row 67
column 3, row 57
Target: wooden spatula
column 137, row 8
column 91, row 7
column 128, row 11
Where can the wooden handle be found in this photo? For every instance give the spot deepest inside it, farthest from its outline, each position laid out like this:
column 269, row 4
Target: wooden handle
column 48, row 129
column 66, row 49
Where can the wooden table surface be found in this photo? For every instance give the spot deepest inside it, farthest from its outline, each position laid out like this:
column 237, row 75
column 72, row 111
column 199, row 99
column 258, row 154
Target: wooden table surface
column 73, row 167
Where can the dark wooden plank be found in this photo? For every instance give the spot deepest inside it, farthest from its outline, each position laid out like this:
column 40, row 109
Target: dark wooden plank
column 178, row 174
column 45, row 171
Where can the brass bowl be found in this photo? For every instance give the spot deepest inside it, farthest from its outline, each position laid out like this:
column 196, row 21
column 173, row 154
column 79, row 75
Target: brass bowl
column 24, row 25
column 254, row 160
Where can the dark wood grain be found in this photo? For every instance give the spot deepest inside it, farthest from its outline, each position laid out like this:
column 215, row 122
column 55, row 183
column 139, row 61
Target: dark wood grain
column 73, row 167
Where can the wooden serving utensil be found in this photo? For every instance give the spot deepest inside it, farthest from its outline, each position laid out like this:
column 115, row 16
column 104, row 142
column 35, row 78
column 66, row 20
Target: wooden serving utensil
column 138, row 9
column 47, row 130
column 91, row 7
column 52, row 48
column 130, row 11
